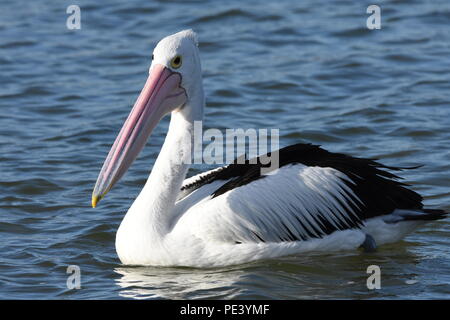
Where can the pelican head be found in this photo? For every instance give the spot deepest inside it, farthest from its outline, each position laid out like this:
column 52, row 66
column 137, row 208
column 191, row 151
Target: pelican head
column 173, row 80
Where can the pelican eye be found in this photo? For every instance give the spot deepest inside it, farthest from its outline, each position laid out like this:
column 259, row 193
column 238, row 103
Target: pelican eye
column 176, row 62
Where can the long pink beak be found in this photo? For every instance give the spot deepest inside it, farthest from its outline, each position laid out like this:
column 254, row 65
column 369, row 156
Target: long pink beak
column 161, row 94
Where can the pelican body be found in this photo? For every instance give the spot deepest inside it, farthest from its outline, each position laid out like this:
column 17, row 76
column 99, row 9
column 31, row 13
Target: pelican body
column 315, row 201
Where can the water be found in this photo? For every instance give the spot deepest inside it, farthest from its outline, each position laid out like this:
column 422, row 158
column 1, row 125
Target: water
column 310, row 68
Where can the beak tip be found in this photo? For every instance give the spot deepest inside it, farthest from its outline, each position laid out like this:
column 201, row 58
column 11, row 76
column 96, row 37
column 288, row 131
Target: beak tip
column 95, row 200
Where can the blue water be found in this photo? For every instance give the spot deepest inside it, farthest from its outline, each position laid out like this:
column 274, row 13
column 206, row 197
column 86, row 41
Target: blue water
column 310, row 68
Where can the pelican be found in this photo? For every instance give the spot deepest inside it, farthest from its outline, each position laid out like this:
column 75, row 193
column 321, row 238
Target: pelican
column 314, row 201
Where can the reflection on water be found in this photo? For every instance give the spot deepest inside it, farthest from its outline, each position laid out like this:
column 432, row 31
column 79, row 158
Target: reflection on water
column 177, row 283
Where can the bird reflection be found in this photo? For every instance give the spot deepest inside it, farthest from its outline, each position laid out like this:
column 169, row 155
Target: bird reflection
column 177, row 283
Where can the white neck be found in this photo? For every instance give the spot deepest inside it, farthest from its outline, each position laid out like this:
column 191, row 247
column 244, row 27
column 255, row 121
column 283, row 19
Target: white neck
column 152, row 211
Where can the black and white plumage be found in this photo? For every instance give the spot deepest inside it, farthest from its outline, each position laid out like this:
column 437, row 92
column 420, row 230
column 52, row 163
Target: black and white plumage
column 316, row 193
column 315, row 200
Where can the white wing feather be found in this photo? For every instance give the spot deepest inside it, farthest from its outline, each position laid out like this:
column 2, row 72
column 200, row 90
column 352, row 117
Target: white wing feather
column 271, row 209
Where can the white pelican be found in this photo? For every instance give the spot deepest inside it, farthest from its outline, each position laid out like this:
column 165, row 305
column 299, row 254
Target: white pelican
column 316, row 200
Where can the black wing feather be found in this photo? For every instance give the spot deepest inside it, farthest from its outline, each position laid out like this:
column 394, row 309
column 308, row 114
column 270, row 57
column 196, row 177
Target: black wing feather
column 376, row 191
column 377, row 188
